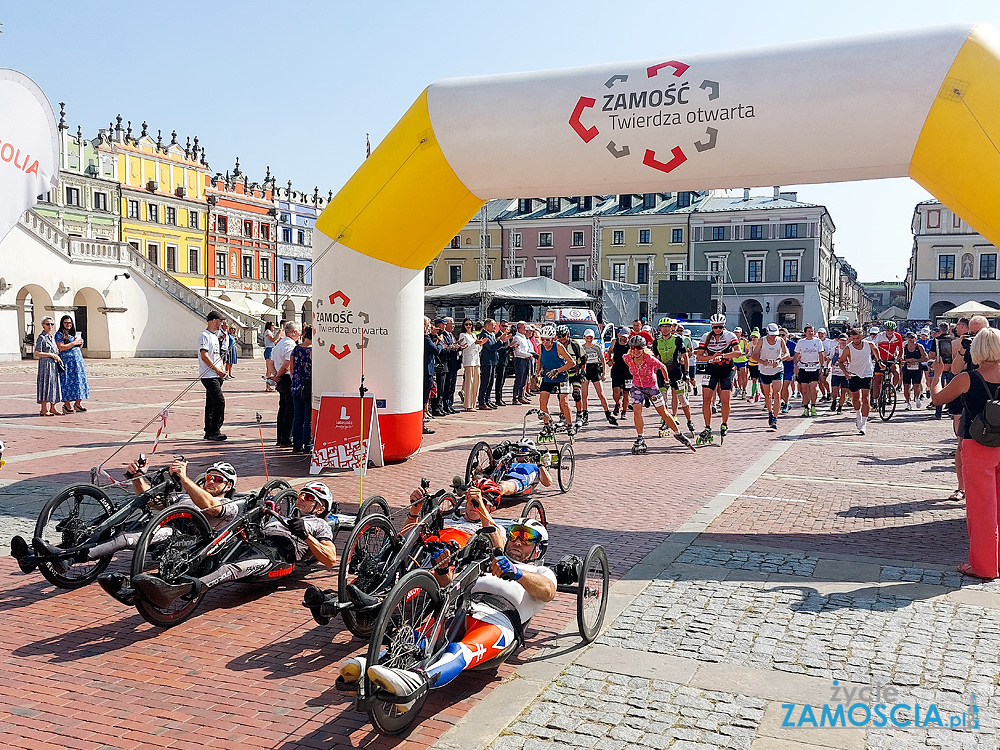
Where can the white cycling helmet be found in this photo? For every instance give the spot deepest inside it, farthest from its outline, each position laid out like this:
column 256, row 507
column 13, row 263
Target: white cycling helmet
column 548, row 332
column 320, row 493
column 530, row 527
column 225, row 470
column 717, row 319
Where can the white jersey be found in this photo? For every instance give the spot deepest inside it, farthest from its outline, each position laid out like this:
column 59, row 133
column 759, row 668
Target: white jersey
column 526, row 605
column 861, row 363
column 829, row 347
column 809, row 351
column 768, row 353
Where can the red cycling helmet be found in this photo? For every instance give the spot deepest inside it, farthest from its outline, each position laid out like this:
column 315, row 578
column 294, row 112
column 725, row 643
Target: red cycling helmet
column 491, row 492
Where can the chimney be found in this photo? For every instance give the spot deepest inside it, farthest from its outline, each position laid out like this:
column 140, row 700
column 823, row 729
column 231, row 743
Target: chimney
column 777, row 192
column 746, row 194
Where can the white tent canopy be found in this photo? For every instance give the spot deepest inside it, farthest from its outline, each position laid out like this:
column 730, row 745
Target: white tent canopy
column 968, row 309
column 893, row 313
column 536, row 289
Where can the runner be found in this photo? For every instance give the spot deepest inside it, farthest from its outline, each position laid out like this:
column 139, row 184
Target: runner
column 642, row 365
column 770, row 352
column 669, row 348
column 595, row 372
column 753, row 368
column 788, row 372
column 858, row 360
column 829, row 346
column 810, row 359
column 717, row 349
column 839, row 376
column 620, row 378
column 553, row 364
column 575, row 377
column 914, row 357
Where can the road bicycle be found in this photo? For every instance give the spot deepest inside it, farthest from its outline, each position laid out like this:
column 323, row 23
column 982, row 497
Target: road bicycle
column 885, row 399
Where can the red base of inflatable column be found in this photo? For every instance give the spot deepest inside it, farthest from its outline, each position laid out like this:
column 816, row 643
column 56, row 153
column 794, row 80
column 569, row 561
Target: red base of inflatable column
column 401, row 434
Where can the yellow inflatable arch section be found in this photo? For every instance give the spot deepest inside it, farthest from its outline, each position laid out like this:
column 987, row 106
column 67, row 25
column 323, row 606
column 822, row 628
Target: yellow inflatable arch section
column 924, row 103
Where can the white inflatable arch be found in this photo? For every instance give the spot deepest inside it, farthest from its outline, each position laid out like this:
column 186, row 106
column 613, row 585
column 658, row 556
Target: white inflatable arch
column 924, row 104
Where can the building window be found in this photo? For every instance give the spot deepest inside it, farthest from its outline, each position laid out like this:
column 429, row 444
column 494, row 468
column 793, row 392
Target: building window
column 153, row 253
column 988, row 266
column 134, row 244
column 676, row 267
column 101, row 201
column 946, row 266
column 677, row 236
column 489, row 271
column 524, row 205
column 286, row 273
column 286, row 218
column 133, row 209
column 643, row 236
column 154, row 213
column 718, row 233
column 488, row 240
column 618, row 237
column 642, row 273
column 171, row 259
column 247, row 266
column 265, row 268
column 578, row 272
column 714, row 266
column 552, row 204
column 791, row 231
column 756, row 232
column 545, row 239
column 515, row 239
column 790, row 269
column 545, row 271
column 300, row 274
column 222, row 225
column 72, row 196
column 429, row 276
column 193, row 219
column 301, row 237
column 265, row 231
column 519, row 271
column 220, row 264
column 170, row 215
column 248, row 229
column 649, row 200
column 683, row 200
column 286, row 235
column 577, row 239
column 192, row 260
column 618, row 272
column 454, row 274
column 624, row 202
column 755, row 271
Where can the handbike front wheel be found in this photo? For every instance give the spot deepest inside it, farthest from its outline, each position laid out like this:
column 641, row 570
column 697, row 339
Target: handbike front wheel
column 592, row 598
column 69, row 519
column 566, row 468
column 399, row 640
column 271, row 489
column 364, row 562
column 480, row 463
column 376, row 504
column 534, row 509
column 166, row 549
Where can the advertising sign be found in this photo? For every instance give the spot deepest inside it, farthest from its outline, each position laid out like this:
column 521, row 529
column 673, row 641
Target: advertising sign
column 337, row 442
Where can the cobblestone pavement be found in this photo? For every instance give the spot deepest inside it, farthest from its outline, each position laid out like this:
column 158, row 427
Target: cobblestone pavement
column 817, row 555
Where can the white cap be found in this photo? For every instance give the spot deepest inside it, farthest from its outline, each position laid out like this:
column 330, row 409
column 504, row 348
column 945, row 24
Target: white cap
column 821, row 330
column 874, row 329
column 772, row 329
column 588, row 332
column 646, row 328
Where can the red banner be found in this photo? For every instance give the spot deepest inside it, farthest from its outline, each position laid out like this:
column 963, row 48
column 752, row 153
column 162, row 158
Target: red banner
column 337, row 439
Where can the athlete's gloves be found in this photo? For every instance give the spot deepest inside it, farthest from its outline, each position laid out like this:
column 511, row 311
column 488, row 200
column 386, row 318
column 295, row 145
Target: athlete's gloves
column 297, row 527
column 552, row 374
column 508, row 570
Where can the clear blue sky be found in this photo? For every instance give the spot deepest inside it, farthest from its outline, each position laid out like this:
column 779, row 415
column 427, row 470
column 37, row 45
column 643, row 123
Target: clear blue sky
column 296, row 85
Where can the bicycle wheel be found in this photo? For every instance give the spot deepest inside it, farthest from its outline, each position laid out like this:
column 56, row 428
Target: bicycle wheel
column 271, row 489
column 165, row 549
column 283, row 500
column 566, row 467
column 364, row 562
column 399, row 640
column 70, row 519
column 592, row 597
column 534, row 509
column 480, row 463
column 376, row 504
column 887, row 400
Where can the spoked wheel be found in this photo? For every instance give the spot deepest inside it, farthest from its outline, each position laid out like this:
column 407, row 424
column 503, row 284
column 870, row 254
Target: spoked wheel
column 534, row 509
column 592, row 598
column 365, row 561
column 376, row 504
column 271, row 489
column 69, row 520
column 480, row 463
column 400, row 640
column 166, row 549
column 887, row 401
column 566, row 467
column 283, row 500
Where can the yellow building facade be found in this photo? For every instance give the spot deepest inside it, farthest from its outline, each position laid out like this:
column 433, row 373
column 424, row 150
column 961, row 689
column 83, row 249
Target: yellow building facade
column 163, row 204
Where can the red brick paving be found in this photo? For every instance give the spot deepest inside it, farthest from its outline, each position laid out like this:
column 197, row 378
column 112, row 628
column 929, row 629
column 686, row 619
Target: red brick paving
column 251, row 669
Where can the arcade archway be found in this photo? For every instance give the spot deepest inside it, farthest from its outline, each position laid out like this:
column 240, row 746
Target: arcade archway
column 92, row 321
column 33, row 304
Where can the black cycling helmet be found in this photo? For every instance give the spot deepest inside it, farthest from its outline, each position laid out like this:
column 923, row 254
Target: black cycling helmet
column 637, row 342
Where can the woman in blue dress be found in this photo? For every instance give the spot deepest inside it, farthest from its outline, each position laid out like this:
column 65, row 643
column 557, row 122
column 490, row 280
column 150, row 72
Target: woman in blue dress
column 72, row 380
column 49, row 393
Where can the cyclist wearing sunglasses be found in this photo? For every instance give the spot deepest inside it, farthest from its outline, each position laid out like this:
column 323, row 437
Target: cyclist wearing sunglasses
column 718, row 348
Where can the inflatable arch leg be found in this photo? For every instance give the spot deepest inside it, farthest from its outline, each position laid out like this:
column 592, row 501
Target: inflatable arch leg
column 924, row 103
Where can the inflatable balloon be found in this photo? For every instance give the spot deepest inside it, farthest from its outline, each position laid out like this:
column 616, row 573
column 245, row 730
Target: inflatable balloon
column 924, row 103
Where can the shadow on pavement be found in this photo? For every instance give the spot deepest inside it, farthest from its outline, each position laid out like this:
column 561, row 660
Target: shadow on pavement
column 83, row 643
column 901, row 510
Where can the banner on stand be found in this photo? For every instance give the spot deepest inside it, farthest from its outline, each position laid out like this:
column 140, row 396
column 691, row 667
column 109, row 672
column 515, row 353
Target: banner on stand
column 337, row 438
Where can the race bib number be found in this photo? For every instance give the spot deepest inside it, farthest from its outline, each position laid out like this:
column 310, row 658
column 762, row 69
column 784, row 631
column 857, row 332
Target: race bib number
column 913, row 365
column 628, row 383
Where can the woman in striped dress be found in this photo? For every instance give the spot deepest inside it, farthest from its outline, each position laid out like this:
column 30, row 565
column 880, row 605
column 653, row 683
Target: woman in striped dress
column 49, row 392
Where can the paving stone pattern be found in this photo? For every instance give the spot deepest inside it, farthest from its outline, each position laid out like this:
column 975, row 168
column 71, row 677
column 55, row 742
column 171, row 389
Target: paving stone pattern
column 793, row 563
column 591, row 708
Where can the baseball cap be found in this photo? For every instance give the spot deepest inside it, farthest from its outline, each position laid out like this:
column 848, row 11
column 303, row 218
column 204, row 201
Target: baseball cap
column 737, row 330
column 588, row 332
column 772, row 328
column 821, row 330
column 439, row 321
column 874, row 329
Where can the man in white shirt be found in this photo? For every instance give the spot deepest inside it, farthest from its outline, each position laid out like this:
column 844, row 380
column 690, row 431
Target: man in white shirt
column 211, row 372
column 524, row 353
column 829, row 347
column 282, row 358
column 810, row 358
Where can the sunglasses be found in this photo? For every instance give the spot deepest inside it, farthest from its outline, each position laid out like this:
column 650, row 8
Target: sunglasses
column 637, row 347
column 524, row 535
column 215, row 478
column 716, row 327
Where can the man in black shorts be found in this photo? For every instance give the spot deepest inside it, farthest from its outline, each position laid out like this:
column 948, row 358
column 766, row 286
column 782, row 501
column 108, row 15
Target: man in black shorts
column 576, row 374
column 718, row 347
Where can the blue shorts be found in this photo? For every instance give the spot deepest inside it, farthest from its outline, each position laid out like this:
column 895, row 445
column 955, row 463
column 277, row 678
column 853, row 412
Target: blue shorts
column 740, row 365
column 839, row 381
column 789, row 373
column 525, row 475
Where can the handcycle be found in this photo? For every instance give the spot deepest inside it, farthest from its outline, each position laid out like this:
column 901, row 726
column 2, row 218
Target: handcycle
column 375, row 556
column 885, row 399
column 82, row 516
column 490, row 463
column 420, row 618
column 179, row 546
